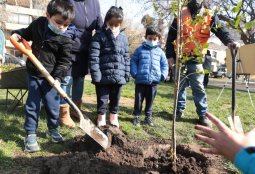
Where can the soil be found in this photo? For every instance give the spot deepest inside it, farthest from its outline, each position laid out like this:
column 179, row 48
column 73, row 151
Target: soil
column 124, row 156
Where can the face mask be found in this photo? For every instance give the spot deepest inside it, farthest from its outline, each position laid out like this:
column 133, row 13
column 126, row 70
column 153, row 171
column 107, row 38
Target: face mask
column 55, row 29
column 151, row 43
column 115, row 31
column 194, row 6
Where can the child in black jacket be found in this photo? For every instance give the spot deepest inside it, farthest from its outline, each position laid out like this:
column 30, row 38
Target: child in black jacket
column 109, row 65
column 52, row 44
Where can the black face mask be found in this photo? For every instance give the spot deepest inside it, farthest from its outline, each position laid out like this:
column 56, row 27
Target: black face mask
column 194, row 7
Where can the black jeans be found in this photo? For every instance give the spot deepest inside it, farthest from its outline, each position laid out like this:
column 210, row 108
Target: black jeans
column 149, row 93
column 206, row 80
column 105, row 93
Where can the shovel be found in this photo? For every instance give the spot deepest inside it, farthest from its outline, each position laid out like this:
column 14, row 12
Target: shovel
column 234, row 121
column 85, row 123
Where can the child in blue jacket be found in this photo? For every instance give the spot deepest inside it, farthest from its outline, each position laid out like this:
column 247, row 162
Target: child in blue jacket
column 148, row 67
column 109, row 65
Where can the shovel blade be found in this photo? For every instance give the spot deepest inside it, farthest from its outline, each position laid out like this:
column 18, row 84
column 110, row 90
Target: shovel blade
column 94, row 132
column 235, row 124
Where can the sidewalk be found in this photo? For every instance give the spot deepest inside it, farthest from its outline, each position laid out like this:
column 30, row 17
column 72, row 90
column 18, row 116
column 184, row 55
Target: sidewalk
column 239, row 84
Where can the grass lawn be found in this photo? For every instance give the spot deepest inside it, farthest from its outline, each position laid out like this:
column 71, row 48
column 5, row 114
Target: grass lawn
column 12, row 132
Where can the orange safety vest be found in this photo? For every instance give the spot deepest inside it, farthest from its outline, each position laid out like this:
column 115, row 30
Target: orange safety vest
column 195, row 34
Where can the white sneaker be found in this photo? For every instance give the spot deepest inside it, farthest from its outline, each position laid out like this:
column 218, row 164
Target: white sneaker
column 114, row 120
column 101, row 120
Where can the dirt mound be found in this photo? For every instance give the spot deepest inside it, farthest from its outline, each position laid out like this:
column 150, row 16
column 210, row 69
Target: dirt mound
column 125, row 157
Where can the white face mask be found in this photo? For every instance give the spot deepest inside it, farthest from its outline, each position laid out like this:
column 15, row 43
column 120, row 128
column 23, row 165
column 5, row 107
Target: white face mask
column 115, row 30
column 151, row 43
column 55, row 29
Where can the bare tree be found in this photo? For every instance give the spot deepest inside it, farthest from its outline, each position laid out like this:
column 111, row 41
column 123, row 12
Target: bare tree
column 239, row 15
column 148, row 20
column 134, row 35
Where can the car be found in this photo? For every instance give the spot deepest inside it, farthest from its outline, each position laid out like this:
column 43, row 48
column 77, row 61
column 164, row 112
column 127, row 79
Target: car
column 220, row 73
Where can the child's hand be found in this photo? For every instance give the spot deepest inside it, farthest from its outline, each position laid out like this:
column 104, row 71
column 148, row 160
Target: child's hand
column 56, row 83
column 17, row 36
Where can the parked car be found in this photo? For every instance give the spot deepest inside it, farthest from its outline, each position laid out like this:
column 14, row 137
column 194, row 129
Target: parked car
column 220, row 73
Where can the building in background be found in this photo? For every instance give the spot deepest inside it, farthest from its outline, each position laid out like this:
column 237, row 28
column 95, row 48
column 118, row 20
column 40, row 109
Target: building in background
column 16, row 14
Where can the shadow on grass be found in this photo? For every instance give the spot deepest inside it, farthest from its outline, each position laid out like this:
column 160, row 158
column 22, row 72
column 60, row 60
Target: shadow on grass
column 11, row 128
column 12, row 125
column 189, row 120
column 185, row 120
column 164, row 95
column 5, row 161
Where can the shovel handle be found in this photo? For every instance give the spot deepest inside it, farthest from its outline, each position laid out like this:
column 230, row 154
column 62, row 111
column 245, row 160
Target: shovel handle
column 24, row 47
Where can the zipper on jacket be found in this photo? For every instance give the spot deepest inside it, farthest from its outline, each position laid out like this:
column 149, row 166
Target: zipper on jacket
column 150, row 66
column 86, row 16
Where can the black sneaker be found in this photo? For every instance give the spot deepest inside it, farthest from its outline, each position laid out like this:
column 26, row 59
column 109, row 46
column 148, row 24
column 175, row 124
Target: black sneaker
column 55, row 136
column 149, row 121
column 204, row 121
column 136, row 120
column 179, row 115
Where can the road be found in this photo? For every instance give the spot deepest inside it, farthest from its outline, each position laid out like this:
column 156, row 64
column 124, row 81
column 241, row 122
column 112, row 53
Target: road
column 240, row 85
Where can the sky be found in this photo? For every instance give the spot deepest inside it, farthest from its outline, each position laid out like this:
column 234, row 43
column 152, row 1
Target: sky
column 132, row 10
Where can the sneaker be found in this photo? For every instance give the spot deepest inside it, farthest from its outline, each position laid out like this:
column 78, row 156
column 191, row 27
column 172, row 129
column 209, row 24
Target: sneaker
column 204, row 121
column 179, row 115
column 55, row 136
column 114, row 120
column 149, row 121
column 31, row 144
column 136, row 120
column 101, row 120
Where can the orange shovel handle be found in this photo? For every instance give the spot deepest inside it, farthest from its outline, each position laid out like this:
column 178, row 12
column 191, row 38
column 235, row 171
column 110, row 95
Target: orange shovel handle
column 26, row 48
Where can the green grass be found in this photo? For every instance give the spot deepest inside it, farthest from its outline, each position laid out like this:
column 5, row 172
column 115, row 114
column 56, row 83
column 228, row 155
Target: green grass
column 12, row 132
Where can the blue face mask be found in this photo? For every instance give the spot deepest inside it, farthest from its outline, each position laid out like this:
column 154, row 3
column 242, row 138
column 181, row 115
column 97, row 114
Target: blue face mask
column 55, row 29
column 151, row 43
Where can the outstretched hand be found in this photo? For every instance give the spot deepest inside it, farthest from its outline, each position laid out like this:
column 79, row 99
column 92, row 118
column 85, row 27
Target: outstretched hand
column 224, row 141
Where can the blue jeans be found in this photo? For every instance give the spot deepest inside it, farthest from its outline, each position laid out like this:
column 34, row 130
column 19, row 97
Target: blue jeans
column 195, row 81
column 77, row 85
column 39, row 90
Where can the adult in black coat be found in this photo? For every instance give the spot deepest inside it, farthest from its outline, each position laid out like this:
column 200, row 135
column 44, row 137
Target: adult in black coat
column 87, row 18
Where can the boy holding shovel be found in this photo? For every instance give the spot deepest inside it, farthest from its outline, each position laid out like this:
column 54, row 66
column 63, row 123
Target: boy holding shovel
column 52, row 43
